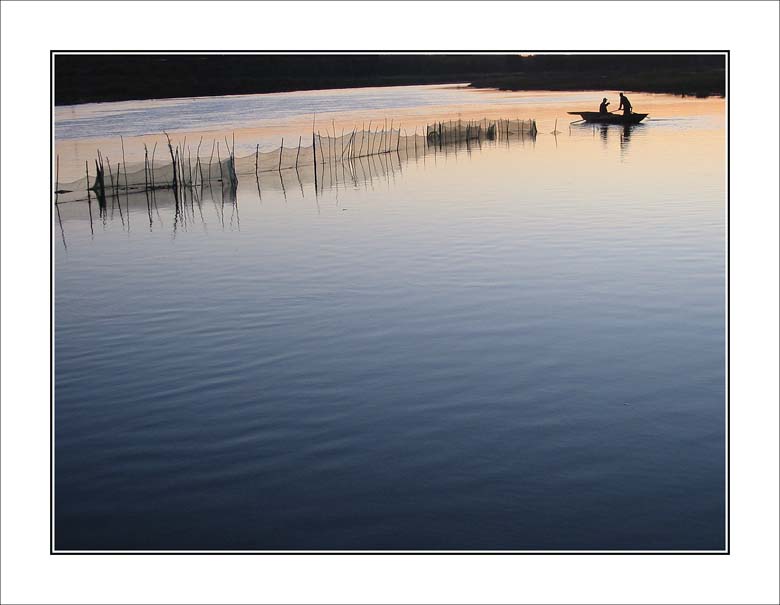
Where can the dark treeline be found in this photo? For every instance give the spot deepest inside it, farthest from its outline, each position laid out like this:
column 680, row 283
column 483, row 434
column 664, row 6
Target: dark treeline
column 91, row 78
column 696, row 75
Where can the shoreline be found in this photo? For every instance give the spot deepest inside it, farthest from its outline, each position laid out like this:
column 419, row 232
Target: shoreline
column 694, row 87
column 80, row 79
column 700, row 84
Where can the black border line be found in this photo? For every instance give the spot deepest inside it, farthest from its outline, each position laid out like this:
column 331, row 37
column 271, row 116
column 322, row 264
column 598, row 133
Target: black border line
column 728, row 303
column 51, row 306
column 497, row 51
column 52, row 551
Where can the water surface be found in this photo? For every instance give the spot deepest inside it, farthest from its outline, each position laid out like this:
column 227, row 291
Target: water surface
column 508, row 347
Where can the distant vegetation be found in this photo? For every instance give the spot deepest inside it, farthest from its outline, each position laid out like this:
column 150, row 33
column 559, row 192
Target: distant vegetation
column 694, row 75
column 94, row 78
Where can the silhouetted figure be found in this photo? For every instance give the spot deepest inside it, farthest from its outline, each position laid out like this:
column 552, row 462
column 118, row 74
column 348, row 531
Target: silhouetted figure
column 625, row 104
column 603, row 106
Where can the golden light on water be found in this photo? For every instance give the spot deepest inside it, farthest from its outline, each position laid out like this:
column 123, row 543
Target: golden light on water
column 548, row 108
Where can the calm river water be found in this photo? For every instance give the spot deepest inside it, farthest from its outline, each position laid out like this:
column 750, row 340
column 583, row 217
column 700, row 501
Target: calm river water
column 513, row 346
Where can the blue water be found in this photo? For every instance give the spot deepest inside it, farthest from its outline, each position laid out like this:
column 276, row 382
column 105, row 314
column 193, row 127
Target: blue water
column 517, row 348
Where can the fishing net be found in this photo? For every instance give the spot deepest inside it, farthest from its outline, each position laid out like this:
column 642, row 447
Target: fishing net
column 326, row 159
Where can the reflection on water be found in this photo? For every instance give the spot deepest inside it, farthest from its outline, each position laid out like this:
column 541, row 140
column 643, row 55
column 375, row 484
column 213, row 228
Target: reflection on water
column 186, row 202
column 624, row 132
column 518, row 345
column 625, row 135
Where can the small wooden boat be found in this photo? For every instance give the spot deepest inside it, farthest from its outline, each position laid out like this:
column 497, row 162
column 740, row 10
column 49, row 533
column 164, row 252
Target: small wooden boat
column 609, row 118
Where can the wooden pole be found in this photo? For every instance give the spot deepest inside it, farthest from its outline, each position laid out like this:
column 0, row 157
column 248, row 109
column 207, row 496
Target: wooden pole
column 219, row 161
column 211, row 157
column 189, row 165
column 146, row 185
column 314, row 151
column 97, row 179
column 389, row 136
column 146, row 168
column 124, row 164
column 198, row 169
column 173, row 160
column 110, row 174
column 151, row 166
column 351, row 145
column 176, row 168
column 368, row 143
column 89, row 198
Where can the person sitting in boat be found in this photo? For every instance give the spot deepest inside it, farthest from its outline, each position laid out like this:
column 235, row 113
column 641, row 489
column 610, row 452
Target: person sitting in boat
column 625, row 104
column 603, row 106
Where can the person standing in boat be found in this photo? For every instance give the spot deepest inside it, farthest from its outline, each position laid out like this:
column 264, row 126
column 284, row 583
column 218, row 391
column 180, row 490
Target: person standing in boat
column 625, row 104
column 603, row 106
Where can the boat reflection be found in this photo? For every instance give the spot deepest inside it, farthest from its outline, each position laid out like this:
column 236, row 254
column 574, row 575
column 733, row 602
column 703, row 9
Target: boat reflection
column 605, row 131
